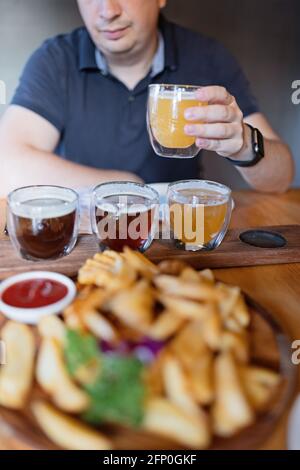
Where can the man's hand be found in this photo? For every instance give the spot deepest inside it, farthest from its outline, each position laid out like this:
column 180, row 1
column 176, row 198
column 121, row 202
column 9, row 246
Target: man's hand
column 223, row 129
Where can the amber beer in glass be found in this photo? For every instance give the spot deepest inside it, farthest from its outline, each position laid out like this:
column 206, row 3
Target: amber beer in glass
column 199, row 213
column 166, row 120
column 124, row 214
column 43, row 221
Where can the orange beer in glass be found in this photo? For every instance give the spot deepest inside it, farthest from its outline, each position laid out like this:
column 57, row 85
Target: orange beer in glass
column 199, row 213
column 166, row 120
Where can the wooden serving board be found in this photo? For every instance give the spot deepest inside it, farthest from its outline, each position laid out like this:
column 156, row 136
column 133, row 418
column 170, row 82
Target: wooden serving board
column 232, row 253
column 269, row 347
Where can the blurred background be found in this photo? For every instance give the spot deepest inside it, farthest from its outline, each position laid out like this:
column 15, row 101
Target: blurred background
column 263, row 35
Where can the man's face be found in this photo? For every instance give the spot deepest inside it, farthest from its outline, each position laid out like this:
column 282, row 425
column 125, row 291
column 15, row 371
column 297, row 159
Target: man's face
column 121, row 26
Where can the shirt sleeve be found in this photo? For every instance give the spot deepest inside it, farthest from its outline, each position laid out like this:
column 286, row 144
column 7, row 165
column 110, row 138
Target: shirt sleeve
column 42, row 85
column 231, row 76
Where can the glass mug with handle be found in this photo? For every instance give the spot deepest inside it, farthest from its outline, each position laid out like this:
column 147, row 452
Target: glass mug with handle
column 166, row 120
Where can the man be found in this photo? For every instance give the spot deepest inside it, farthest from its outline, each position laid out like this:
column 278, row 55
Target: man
column 78, row 115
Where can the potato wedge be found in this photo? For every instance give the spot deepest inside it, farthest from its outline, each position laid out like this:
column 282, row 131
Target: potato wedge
column 167, row 419
column 212, row 328
column 241, row 313
column 187, row 309
column 52, row 327
column 176, row 385
column 259, row 384
column 229, row 297
column 134, row 306
column 231, row 411
column 190, row 275
column 207, row 275
column 16, row 376
column 52, row 376
column 100, row 326
column 232, row 324
column 165, row 325
column 173, row 267
column 200, row 377
column 90, row 299
column 201, row 291
column 237, row 343
column 188, row 345
column 68, row 432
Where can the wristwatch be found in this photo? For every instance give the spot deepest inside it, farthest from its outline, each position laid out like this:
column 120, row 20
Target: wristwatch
column 257, row 147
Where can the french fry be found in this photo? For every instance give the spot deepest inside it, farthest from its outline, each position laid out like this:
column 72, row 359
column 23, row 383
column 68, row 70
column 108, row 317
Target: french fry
column 165, row 325
column 110, row 276
column 172, row 267
column 165, row 418
column 102, row 328
column 68, row 432
column 259, row 384
column 134, row 306
column 190, row 275
column 153, row 378
column 231, row 410
column 200, row 377
column 16, row 376
column 229, row 297
column 201, row 291
column 187, row 309
column 52, row 376
column 140, row 263
column 237, row 344
column 188, row 345
column 232, row 324
column 212, row 328
column 207, row 275
column 88, row 301
column 176, row 385
column 52, row 327
column 240, row 312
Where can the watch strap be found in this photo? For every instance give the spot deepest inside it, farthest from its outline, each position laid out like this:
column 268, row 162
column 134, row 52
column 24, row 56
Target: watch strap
column 257, row 142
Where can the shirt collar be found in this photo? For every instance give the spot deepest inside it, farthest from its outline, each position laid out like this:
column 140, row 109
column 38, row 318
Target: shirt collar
column 158, row 63
column 166, row 55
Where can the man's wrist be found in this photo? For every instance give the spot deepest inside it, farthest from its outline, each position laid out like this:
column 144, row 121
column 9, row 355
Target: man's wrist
column 257, row 149
column 246, row 152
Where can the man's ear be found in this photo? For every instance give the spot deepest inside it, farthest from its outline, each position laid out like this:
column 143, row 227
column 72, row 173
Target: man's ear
column 162, row 3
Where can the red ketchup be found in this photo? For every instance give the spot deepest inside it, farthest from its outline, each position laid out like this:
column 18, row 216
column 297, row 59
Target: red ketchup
column 34, row 293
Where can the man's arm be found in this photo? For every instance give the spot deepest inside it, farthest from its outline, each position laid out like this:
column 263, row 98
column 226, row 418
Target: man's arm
column 224, row 131
column 27, row 143
column 275, row 172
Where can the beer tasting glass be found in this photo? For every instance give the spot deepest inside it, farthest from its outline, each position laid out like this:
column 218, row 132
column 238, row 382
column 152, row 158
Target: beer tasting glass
column 166, row 120
column 43, row 221
column 199, row 213
column 124, row 214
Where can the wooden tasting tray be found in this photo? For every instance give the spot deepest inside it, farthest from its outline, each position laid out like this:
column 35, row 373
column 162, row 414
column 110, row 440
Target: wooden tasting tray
column 232, row 253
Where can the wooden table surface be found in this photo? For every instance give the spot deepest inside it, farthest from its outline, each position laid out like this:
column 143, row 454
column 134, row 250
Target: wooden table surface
column 277, row 288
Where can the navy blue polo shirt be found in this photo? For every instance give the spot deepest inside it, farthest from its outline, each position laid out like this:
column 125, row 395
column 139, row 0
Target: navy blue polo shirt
column 101, row 122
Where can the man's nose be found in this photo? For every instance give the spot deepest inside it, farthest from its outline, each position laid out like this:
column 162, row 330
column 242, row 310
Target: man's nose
column 109, row 9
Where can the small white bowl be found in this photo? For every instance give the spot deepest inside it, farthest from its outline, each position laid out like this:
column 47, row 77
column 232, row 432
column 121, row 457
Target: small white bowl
column 32, row 315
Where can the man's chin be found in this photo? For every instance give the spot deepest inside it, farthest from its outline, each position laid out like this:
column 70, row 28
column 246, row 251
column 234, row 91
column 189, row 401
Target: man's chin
column 116, row 47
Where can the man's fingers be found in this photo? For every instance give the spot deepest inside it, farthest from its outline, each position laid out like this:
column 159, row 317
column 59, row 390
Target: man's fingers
column 212, row 113
column 212, row 131
column 214, row 95
column 224, row 148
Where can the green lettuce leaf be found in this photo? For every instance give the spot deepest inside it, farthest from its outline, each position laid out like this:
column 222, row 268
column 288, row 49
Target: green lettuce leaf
column 117, row 391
